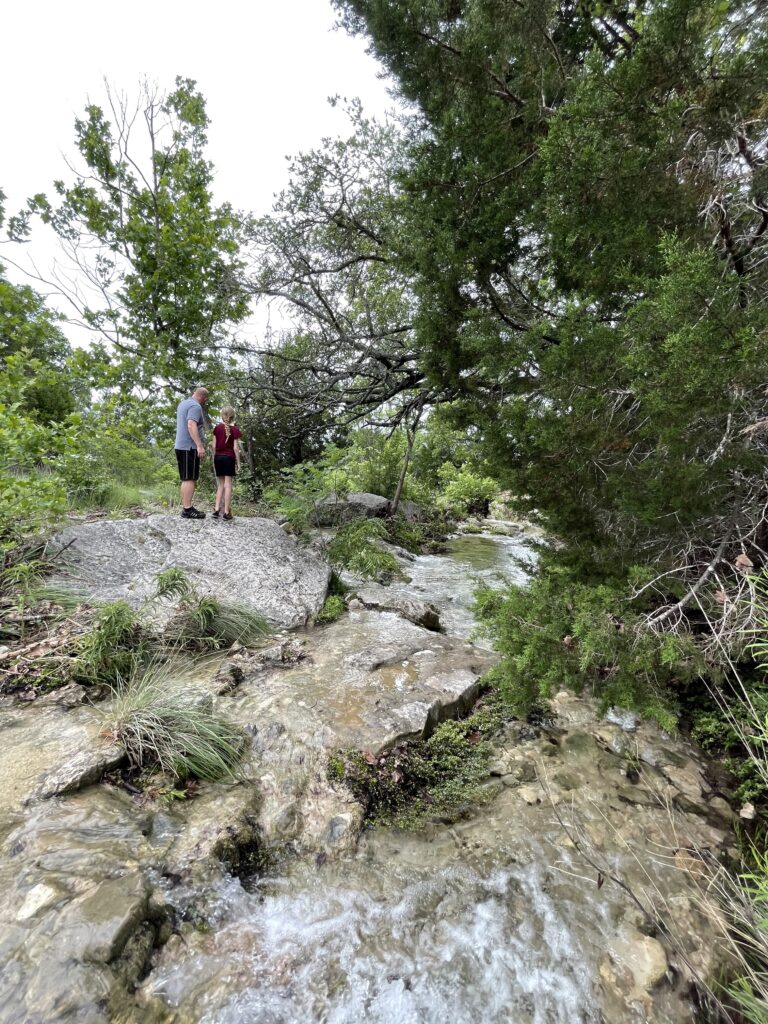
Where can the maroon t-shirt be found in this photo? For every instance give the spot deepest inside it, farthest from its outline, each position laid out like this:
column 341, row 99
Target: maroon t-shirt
column 224, row 446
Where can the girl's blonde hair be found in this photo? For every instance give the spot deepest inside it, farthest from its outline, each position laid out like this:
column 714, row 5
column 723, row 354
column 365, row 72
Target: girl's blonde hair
column 227, row 416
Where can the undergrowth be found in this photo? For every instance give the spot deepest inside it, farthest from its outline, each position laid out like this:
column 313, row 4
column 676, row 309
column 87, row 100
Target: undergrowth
column 204, row 622
column 112, row 647
column 420, row 780
column 354, row 548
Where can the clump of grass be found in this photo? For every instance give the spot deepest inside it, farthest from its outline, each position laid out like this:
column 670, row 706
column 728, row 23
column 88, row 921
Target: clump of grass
column 65, row 599
column 208, row 624
column 172, row 727
column 205, row 623
column 354, row 548
column 173, row 582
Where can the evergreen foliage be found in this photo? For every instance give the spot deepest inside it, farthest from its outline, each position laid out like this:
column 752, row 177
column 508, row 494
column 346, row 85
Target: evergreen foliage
column 583, row 210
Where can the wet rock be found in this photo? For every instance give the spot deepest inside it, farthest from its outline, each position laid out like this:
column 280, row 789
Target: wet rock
column 686, row 779
column 96, row 927
column 220, row 824
column 644, row 956
column 66, row 696
column 39, row 897
column 260, row 567
column 578, row 743
column 531, row 794
column 638, row 796
column 83, row 769
column 413, row 513
column 721, row 808
column 245, row 664
column 336, row 509
column 568, row 780
column 422, row 613
column 628, row 721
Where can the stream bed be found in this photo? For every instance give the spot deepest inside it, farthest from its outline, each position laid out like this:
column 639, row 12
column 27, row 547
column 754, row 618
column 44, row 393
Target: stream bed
column 493, row 919
column 134, row 912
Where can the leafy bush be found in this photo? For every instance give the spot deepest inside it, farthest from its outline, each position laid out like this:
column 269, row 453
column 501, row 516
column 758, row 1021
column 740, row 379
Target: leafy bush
column 173, row 727
column 354, row 548
column 373, row 461
column 464, row 492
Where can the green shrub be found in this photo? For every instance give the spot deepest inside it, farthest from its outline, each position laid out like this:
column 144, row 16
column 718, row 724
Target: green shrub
column 112, row 647
column 173, row 727
column 465, row 492
column 557, row 632
column 354, row 548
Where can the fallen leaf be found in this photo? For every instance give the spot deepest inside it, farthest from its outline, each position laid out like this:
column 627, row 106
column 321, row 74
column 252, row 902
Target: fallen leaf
column 721, row 597
column 743, row 561
column 369, row 757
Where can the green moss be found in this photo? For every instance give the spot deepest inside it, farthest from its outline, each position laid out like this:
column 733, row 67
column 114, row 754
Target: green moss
column 415, row 781
column 333, row 608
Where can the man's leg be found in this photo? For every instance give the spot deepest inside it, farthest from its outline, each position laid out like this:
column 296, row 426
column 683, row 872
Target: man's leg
column 187, row 493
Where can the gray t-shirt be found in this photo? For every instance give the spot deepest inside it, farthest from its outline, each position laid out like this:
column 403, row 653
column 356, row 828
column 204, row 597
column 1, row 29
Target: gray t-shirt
column 189, row 409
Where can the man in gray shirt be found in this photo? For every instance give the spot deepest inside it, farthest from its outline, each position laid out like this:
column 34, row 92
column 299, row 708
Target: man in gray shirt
column 190, row 448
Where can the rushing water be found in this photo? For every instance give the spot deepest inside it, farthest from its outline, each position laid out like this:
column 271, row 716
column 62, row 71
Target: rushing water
column 488, row 920
column 449, row 580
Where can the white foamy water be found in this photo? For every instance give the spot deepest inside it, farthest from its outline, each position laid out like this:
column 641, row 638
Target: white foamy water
column 388, row 945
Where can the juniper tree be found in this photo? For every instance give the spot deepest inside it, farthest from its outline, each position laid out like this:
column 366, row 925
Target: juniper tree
column 587, row 214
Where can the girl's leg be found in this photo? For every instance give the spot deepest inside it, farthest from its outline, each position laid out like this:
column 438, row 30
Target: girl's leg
column 227, row 494
column 219, row 493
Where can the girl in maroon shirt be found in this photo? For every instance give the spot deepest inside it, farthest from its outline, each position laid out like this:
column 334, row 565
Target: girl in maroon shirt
column 226, row 460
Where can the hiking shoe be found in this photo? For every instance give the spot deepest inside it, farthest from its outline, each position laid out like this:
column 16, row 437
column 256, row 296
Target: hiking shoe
column 216, row 513
column 192, row 513
column 228, row 516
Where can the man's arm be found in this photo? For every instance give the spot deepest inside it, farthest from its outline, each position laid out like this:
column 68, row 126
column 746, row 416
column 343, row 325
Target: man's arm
column 194, row 433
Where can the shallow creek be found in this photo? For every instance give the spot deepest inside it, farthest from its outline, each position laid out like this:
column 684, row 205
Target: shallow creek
column 494, row 918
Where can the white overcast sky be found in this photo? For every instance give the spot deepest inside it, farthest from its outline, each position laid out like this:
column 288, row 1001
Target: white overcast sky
column 265, row 67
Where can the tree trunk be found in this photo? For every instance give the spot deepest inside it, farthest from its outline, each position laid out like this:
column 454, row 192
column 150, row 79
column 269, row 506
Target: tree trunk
column 410, row 433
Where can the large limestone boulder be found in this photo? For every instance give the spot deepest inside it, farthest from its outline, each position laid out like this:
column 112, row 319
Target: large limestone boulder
column 247, row 562
column 335, row 509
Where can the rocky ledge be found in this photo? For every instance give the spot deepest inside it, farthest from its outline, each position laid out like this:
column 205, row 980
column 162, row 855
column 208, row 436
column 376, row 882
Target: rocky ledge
column 248, row 562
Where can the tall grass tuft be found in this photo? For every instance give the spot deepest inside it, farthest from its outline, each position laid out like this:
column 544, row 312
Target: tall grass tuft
column 205, row 622
column 173, row 726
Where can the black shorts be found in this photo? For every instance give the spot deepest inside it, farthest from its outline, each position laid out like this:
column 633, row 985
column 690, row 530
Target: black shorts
column 224, row 465
column 189, row 463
